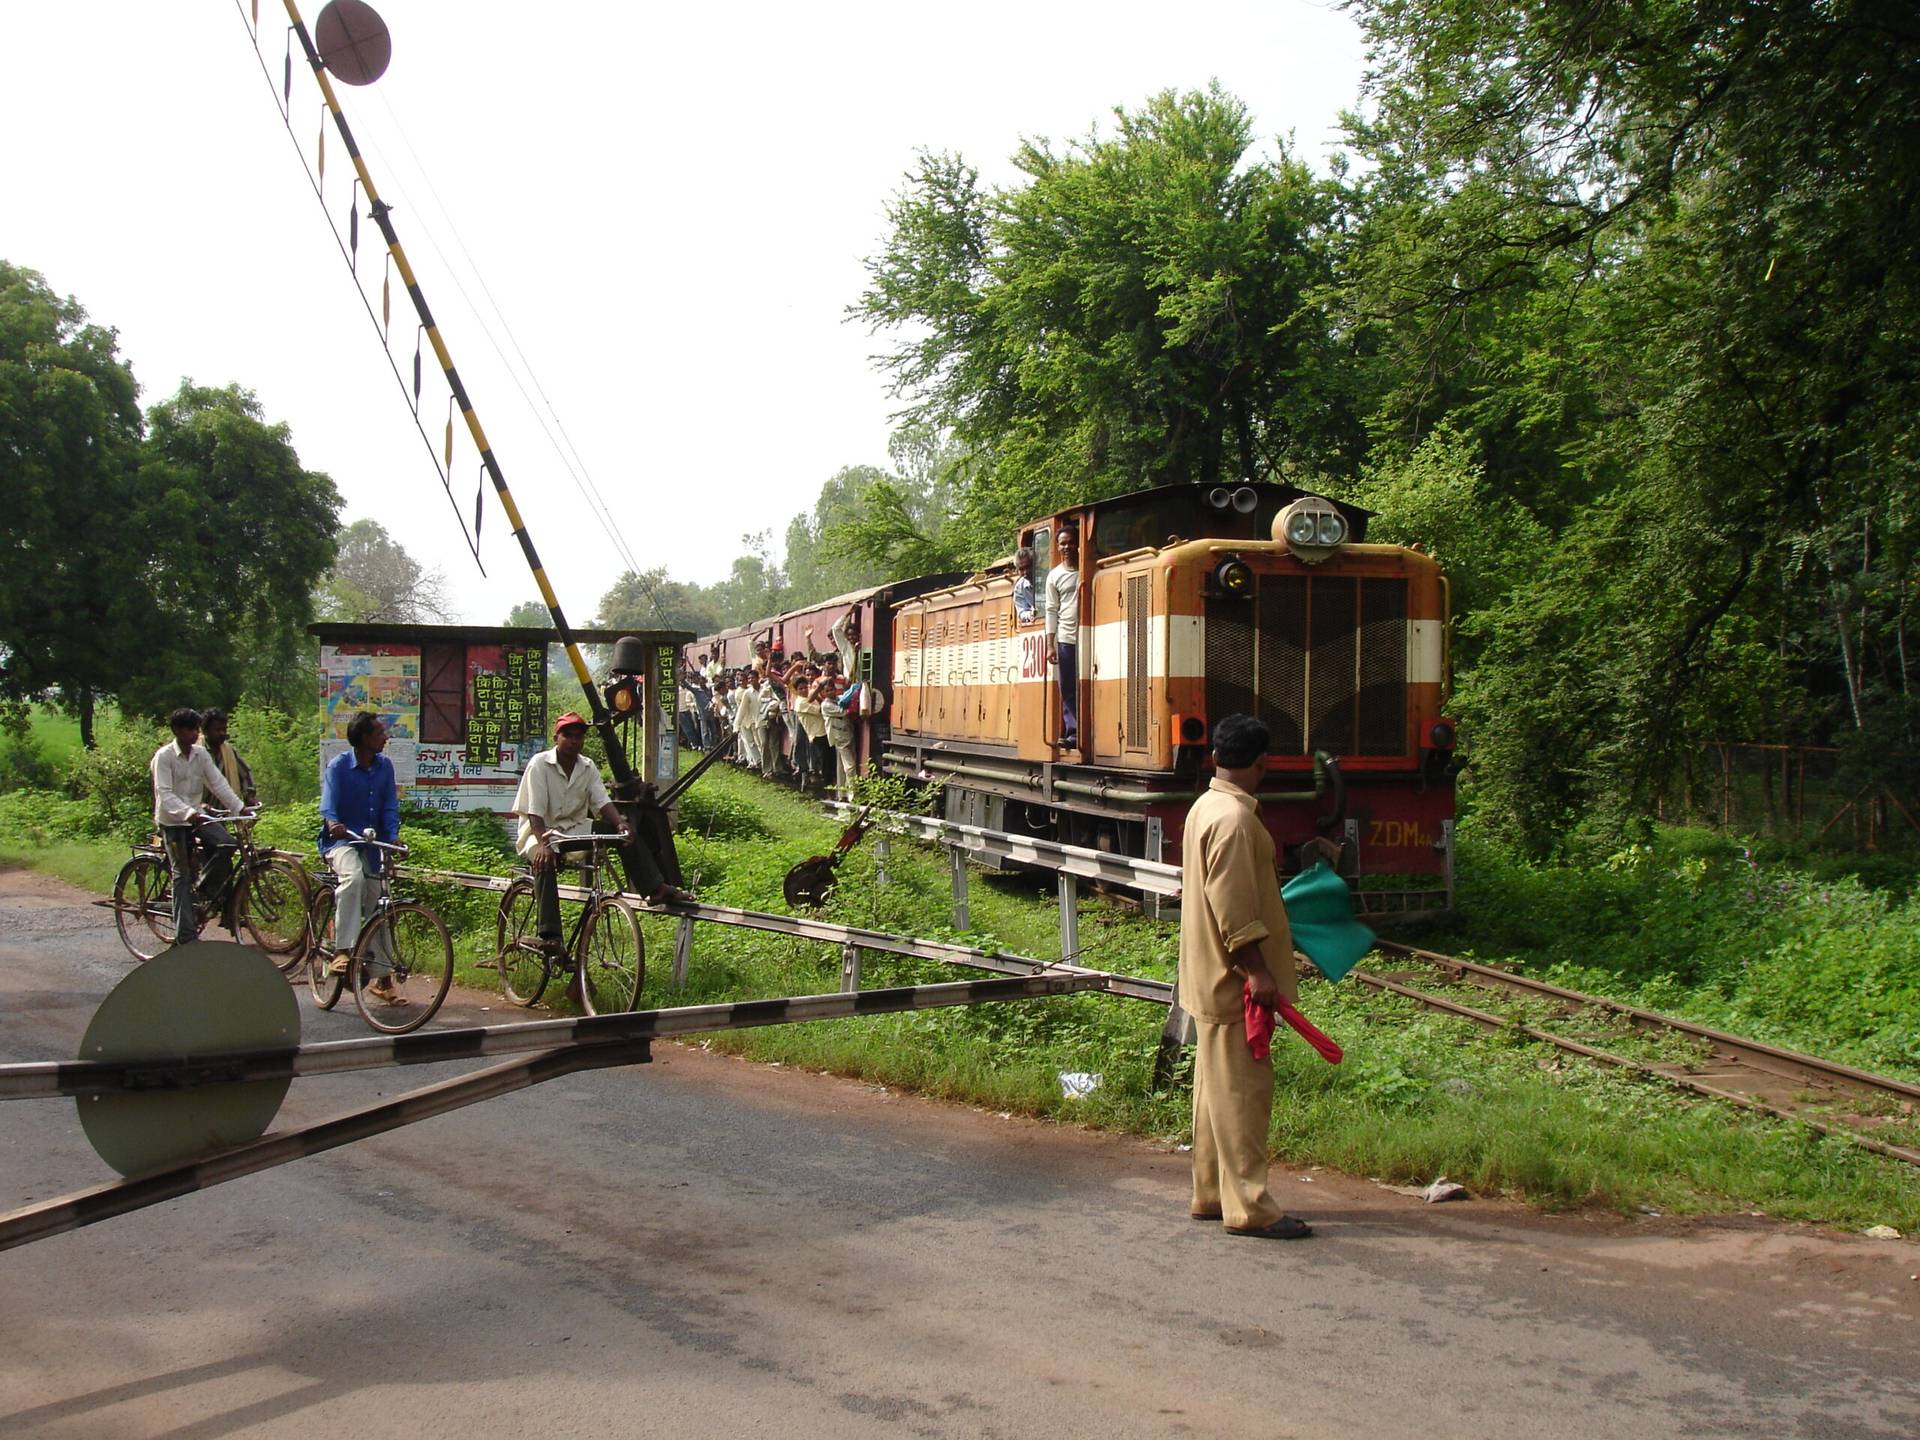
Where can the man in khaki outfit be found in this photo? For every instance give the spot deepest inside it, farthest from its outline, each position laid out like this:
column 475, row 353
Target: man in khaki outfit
column 1233, row 935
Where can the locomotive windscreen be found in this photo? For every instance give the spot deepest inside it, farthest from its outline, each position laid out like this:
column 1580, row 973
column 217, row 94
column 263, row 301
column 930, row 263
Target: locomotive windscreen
column 1321, row 659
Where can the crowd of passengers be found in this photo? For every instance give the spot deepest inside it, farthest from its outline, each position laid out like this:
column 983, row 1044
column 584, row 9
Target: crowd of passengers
column 787, row 716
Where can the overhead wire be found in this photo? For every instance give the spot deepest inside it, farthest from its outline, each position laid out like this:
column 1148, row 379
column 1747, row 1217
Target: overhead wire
column 574, row 464
column 350, row 255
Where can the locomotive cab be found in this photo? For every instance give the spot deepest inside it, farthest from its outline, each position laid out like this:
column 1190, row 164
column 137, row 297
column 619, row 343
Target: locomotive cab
column 1196, row 603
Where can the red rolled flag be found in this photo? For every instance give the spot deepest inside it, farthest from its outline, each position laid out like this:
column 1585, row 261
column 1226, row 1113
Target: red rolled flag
column 1309, row 1032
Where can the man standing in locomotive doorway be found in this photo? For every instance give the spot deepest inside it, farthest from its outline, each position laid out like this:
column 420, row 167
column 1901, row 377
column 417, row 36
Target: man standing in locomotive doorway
column 1236, row 950
column 1063, row 632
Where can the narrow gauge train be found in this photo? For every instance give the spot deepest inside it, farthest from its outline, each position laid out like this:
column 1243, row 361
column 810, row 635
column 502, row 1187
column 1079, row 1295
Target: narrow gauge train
column 1195, row 603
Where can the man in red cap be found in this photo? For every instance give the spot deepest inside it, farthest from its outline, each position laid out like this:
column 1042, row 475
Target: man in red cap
column 560, row 793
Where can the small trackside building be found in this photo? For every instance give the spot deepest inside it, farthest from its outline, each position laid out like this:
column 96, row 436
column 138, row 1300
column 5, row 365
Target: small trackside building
column 467, row 706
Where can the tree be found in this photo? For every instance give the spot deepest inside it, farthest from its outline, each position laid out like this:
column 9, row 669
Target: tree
column 1656, row 261
column 71, row 593
column 651, row 601
column 249, row 532
column 374, row 580
column 818, row 565
column 530, row 613
column 1143, row 310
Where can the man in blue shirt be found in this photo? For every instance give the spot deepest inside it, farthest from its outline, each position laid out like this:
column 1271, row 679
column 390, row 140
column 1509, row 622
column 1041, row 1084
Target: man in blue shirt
column 357, row 794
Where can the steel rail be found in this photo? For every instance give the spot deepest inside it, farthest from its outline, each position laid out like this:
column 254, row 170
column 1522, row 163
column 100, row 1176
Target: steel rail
column 1756, row 1054
column 47, row 1079
column 1641, row 1067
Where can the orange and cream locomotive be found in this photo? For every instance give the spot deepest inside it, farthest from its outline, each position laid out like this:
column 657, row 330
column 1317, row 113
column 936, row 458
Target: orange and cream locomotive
column 1194, row 603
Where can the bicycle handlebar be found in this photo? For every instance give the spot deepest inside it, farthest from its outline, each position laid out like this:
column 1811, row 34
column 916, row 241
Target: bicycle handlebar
column 366, row 838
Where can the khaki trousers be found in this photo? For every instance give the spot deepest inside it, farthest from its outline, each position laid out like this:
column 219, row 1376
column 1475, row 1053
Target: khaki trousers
column 1232, row 1110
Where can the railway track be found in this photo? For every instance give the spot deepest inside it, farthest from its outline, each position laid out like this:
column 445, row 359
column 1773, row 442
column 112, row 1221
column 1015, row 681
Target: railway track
column 1832, row 1098
column 1878, row 1112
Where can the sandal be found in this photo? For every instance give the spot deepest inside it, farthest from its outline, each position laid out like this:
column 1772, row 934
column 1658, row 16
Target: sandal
column 1285, row 1228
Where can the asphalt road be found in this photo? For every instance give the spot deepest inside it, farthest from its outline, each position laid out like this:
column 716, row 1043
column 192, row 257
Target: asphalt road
column 704, row 1246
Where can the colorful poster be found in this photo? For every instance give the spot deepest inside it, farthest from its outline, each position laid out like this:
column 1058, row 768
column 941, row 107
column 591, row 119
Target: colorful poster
column 382, row 678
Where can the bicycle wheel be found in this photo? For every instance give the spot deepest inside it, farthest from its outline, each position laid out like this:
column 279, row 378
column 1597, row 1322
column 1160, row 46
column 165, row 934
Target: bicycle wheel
column 522, row 964
column 321, row 979
column 272, row 906
column 143, row 906
column 615, row 961
column 402, row 968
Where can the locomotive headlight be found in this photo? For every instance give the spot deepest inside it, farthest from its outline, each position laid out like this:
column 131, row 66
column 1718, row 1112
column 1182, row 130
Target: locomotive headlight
column 1312, row 527
column 1233, row 577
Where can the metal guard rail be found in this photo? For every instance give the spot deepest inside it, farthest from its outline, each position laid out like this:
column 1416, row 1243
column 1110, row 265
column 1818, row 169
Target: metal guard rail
column 1133, row 987
column 1154, row 877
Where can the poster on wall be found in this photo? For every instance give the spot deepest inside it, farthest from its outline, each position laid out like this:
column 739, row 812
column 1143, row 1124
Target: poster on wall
column 382, row 678
column 509, row 706
column 449, row 782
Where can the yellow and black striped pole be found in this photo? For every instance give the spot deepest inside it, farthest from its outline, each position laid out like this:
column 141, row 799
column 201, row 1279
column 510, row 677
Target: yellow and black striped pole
column 623, row 773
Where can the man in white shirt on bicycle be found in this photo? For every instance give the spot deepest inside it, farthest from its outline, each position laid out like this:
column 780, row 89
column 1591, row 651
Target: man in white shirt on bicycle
column 560, row 793
column 183, row 775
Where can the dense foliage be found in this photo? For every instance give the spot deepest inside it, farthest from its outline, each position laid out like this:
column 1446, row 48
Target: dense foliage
column 1655, row 262
column 1144, row 308
column 157, row 560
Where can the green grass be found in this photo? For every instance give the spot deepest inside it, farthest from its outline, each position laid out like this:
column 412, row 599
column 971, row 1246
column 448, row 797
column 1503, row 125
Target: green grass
column 90, row 864
column 1419, row 1095
column 58, row 735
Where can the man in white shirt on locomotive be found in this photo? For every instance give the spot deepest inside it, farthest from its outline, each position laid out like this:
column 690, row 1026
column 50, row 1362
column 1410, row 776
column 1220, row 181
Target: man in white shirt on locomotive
column 183, row 775
column 1063, row 633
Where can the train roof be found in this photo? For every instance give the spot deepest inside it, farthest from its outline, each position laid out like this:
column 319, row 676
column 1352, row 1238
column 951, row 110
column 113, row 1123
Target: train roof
column 1287, row 494
column 913, row 585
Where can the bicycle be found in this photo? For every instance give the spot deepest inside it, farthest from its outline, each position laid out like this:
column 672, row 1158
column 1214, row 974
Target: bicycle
column 605, row 951
column 400, row 968
column 267, row 897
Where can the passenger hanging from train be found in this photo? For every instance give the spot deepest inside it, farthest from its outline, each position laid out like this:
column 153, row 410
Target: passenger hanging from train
column 1023, row 606
column 818, row 775
column 773, row 725
column 1063, row 633
column 795, row 681
column 690, row 687
column 712, row 712
column 834, row 708
column 746, row 720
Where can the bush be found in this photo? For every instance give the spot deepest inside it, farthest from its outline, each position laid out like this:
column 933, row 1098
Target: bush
column 35, row 819
column 24, row 765
column 114, row 779
column 283, row 753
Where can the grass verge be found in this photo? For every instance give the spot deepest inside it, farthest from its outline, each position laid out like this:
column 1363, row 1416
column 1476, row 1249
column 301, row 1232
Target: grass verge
column 1419, row 1096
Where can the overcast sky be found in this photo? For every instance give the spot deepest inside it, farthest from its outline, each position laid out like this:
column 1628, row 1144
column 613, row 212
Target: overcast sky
column 669, row 208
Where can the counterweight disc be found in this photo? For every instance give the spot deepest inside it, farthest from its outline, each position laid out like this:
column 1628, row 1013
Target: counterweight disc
column 203, row 999
column 353, row 42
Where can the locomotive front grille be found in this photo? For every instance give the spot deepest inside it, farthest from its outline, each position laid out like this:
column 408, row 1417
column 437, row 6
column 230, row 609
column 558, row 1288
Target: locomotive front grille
column 1322, row 659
